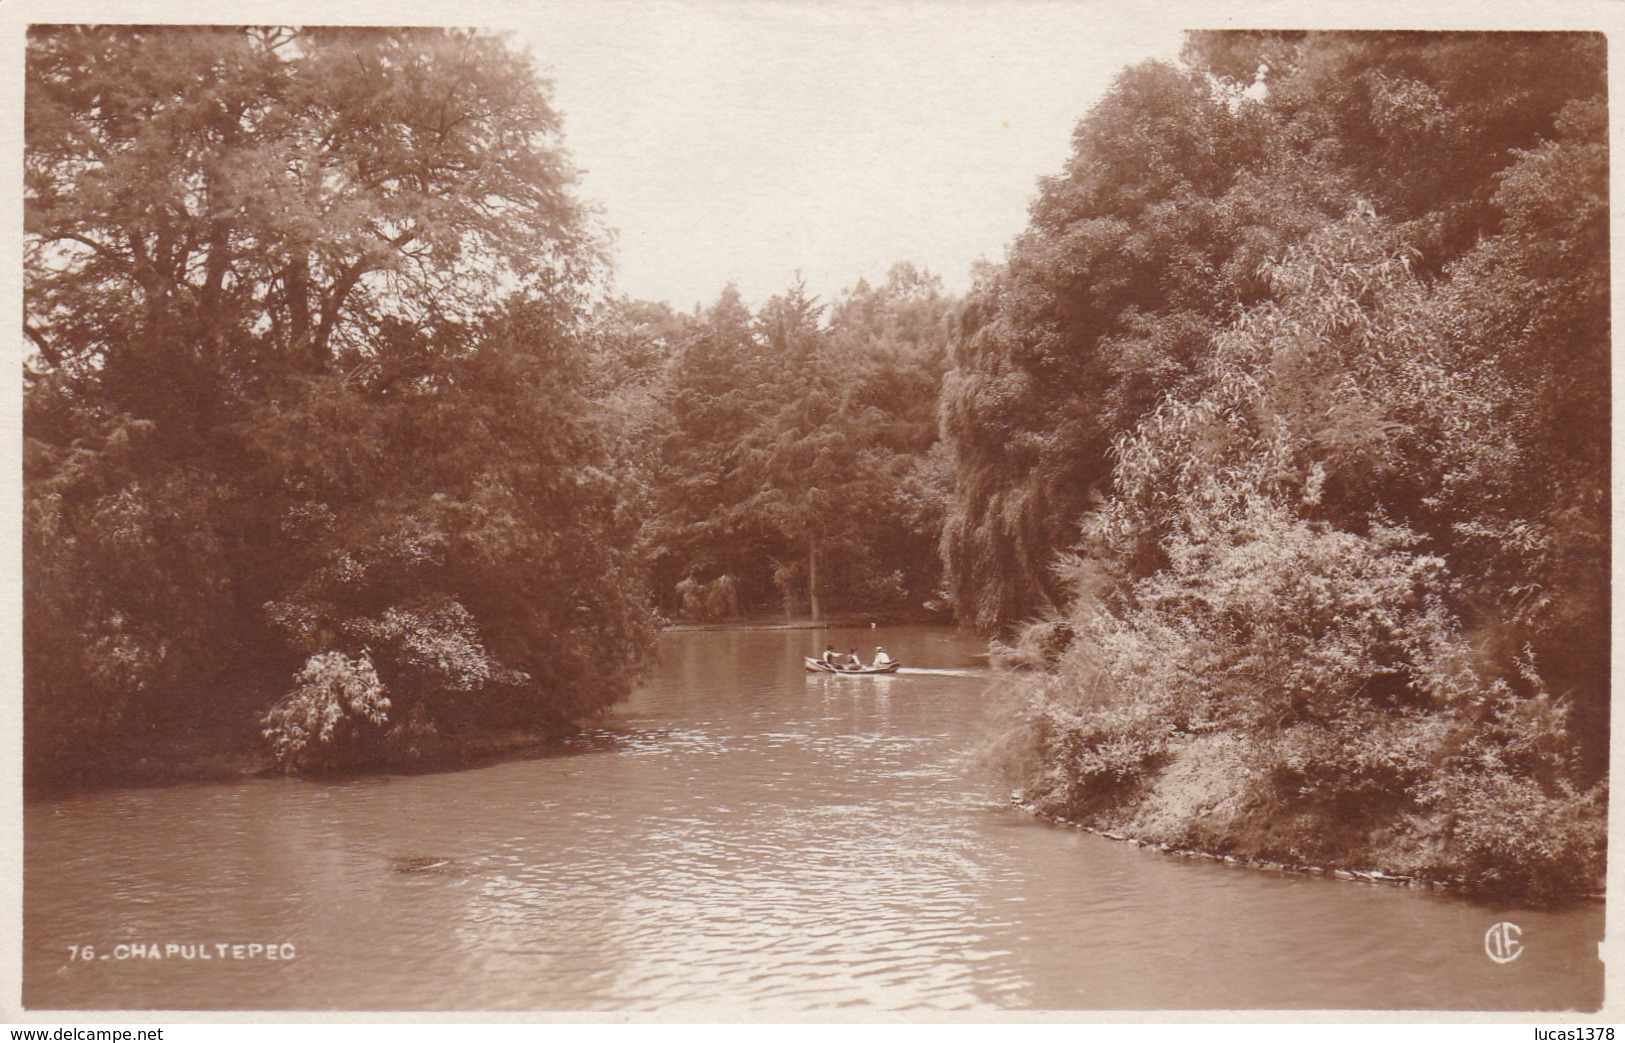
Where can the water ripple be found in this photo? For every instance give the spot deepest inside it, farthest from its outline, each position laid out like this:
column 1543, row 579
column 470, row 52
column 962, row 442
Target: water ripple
column 734, row 837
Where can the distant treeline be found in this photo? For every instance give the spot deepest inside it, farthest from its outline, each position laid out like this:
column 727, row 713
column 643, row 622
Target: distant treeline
column 786, row 463
column 1277, row 446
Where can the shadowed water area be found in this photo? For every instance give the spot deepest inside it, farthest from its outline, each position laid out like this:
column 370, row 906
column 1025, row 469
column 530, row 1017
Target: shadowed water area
column 739, row 835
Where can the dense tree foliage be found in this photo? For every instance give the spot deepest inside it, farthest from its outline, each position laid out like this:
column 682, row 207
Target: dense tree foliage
column 308, row 398
column 1181, row 190
column 1280, row 436
column 1322, row 490
column 790, row 462
column 1174, row 198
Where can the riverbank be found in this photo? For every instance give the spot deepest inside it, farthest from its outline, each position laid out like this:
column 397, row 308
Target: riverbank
column 217, row 742
column 1205, row 802
column 1372, row 876
column 843, row 622
column 237, row 753
column 726, row 798
column 1367, row 876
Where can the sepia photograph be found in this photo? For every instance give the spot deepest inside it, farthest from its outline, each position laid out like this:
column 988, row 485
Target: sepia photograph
column 789, row 511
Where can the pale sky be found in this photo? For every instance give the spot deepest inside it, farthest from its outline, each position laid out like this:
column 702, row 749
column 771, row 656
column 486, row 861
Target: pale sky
column 743, row 142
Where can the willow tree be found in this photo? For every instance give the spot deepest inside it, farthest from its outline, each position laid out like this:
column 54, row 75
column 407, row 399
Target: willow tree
column 264, row 271
column 1174, row 196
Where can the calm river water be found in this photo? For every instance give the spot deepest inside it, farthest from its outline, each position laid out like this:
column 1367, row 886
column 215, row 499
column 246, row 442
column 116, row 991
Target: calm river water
column 738, row 837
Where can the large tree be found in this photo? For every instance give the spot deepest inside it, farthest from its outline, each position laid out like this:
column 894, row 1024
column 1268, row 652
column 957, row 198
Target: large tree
column 267, row 285
column 194, row 193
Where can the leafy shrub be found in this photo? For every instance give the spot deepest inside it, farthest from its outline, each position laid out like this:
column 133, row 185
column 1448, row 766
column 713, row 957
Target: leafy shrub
column 436, row 644
column 1511, row 838
column 335, row 709
column 709, row 602
column 1248, row 578
column 1518, row 824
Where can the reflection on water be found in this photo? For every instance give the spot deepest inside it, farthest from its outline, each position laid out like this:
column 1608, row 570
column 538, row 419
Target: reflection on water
column 739, row 835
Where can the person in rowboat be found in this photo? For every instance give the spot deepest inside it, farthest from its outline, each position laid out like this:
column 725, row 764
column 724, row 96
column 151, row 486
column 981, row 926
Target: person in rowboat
column 830, row 656
column 852, row 661
column 882, row 658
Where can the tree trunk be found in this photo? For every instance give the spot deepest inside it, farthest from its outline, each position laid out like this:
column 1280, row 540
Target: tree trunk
column 812, row 579
column 296, row 291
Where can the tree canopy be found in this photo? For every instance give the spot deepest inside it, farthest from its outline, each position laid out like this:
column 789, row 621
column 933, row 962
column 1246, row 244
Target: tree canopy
column 1299, row 427
column 790, row 463
column 308, row 387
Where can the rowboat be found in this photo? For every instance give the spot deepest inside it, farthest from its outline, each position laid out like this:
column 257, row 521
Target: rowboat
column 818, row 666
